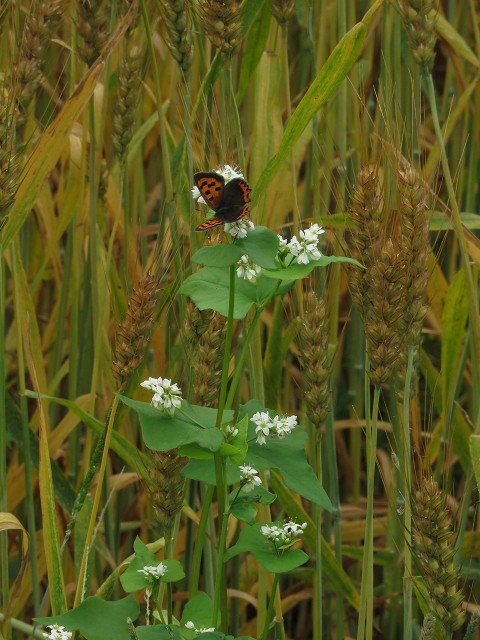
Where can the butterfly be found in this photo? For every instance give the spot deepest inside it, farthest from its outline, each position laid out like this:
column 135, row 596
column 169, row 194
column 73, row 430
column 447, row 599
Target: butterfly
column 229, row 201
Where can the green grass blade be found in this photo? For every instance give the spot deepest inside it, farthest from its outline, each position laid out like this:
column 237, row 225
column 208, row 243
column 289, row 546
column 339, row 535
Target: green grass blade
column 320, row 92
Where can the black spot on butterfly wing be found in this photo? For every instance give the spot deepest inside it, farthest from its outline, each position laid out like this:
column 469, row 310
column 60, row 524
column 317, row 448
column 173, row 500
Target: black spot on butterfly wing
column 211, row 186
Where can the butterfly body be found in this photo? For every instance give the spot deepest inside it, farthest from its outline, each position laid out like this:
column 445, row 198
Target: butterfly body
column 229, row 201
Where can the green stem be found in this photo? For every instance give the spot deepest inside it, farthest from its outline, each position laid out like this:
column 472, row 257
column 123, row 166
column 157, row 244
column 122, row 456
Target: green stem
column 243, row 354
column 167, row 175
column 199, row 543
column 365, row 622
column 332, row 471
column 407, row 575
column 96, row 503
column 236, row 120
column 3, row 439
column 318, row 590
column 219, row 577
column 93, row 221
column 458, row 227
column 27, row 458
column 276, row 578
column 169, row 556
column 228, row 348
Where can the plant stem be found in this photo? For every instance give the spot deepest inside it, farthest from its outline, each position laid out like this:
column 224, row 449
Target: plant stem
column 243, row 354
column 96, row 503
column 3, row 439
column 276, row 578
column 169, row 556
column 365, row 621
column 219, row 576
column 199, row 543
column 27, row 458
column 458, row 227
column 228, row 348
column 407, row 469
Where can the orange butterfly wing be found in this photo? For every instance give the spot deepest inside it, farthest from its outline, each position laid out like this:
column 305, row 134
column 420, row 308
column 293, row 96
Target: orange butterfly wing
column 209, row 224
column 210, row 185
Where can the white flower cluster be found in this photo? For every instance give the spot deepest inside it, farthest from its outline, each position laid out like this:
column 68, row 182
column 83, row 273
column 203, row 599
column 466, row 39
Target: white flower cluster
column 165, row 394
column 249, row 478
column 285, row 534
column 305, row 248
column 154, row 573
column 248, row 270
column 230, row 433
column 238, row 229
column 57, row 633
column 276, row 427
column 190, row 625
column 227, row 171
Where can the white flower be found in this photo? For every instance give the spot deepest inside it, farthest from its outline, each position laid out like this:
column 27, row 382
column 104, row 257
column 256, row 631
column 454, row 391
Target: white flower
column 165, row 394
column 57, row 633
column 306, row 248
column 277, row 427
column 229, row 172
column 272, row 532
column 284, row 534
column 230, row 433
column 238, row 229
column 190, row 625
column 154, row 573
column 264, row 425
column 249, row 478
column 284, row 426
column 248, row 270
column 311, row 234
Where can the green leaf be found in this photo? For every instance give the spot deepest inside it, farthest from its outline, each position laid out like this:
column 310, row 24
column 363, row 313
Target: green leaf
column 204, row 471
column 331, row 568
column 160, row 431
column 219, row 255
column 199, row 610
column 297, row 271
column 64, row 491
column 97, row 619
column 209, row 289
column 254, row 47
column 261, row 245
column 125, row 449
column 205, row 416
column 207, row 441
column 475, row 455
column 288, row 456
column 244, row 511
column 240, row 441
column 319, row 93
column 454, row 39
column 251, row 540
column 158, row 632
column 51, row 538
column 461, row 431
column 243, row 504
column 250, row 8
column 132, row 579
column 454, row 319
